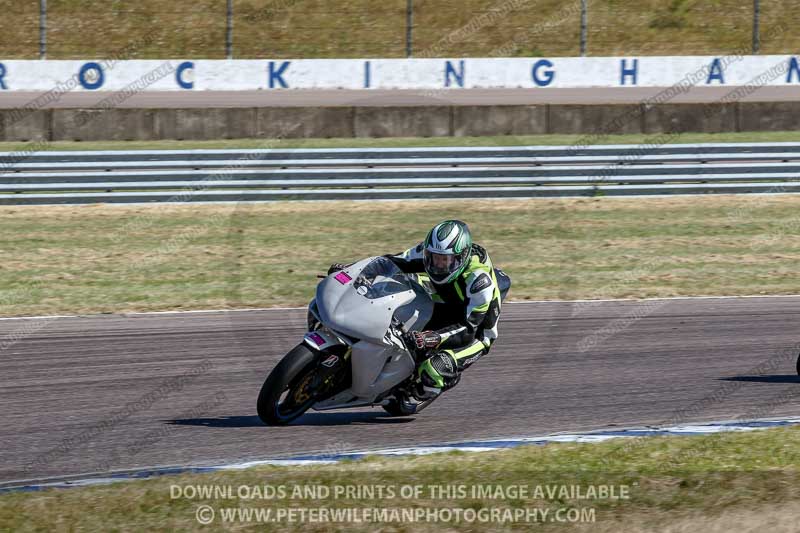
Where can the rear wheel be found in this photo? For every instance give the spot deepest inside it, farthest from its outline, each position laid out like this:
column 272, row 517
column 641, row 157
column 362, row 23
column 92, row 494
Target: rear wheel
column 287, row 393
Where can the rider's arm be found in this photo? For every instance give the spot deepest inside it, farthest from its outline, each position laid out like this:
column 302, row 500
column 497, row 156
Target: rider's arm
column 480, row 294
column 409, row 261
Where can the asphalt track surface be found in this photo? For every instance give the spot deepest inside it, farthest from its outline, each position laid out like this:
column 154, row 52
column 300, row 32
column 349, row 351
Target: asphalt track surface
column 378, row 97
column 113, row 392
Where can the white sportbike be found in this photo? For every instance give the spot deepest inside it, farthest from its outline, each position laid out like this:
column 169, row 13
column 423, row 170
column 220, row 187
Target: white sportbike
column 354, row 354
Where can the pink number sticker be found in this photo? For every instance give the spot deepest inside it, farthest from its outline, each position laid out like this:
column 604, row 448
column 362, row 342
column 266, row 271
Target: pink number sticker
column 316, row 338
column 342, row 278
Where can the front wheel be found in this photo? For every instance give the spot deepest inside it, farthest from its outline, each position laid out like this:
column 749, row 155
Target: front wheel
column 286, row 393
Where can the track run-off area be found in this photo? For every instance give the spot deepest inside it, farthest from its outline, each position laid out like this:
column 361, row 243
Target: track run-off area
column 109, row 393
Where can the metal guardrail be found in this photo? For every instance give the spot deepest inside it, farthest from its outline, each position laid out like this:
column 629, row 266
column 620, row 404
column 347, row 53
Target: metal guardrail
column 395, row 173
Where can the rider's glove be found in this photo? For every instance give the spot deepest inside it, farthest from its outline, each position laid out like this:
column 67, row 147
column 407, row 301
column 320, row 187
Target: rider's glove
column 423, row 340
column 336, row 267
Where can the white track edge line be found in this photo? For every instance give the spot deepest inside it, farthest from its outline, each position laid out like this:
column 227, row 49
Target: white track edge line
column 588, row 436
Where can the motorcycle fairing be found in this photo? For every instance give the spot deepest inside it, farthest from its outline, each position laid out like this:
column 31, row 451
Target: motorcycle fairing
column 362, row 305
column 365, row 311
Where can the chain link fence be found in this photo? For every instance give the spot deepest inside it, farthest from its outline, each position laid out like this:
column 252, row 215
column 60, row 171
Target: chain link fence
column 214, row 29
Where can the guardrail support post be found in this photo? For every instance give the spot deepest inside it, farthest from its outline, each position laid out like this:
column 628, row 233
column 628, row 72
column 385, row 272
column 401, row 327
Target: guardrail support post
column 229, row 31
column 409, row 27
column 584, row 25
column 42, row 29
column 756, row 24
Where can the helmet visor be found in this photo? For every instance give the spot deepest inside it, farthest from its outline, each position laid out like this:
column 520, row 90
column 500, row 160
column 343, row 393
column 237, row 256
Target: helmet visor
column 440, row 266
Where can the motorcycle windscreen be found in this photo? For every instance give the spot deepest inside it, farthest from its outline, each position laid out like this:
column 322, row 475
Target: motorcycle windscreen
column 361, row 300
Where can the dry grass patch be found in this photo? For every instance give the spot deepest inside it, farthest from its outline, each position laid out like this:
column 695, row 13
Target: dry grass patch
column 361, row 28
column 125, row 258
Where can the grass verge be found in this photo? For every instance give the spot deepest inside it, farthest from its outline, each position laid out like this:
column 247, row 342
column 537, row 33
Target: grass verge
column 400, row 142
column 98, row 258
column 733, row 481
column 362, row 28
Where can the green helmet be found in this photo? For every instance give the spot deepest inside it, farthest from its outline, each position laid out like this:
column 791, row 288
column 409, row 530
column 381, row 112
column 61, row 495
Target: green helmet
column 447, row 250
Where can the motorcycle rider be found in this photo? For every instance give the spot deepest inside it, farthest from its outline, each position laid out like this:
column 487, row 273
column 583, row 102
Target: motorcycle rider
column 464, row 287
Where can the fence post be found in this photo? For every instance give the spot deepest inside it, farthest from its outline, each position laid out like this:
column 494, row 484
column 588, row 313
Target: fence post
column 42, row 29
column 229, row 32
column 409, row 27
column 584, row 25
column 756, row 26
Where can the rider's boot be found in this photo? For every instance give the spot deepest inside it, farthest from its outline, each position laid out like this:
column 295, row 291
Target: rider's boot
column 436, row 374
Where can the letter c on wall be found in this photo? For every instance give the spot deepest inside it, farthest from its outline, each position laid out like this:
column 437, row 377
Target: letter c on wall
column 183, row 67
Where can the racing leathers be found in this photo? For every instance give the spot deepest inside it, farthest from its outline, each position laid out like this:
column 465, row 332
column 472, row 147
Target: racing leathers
column 464, row 322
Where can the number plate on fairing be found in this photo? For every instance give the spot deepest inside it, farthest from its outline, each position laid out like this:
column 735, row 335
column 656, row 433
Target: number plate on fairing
column 321, row 340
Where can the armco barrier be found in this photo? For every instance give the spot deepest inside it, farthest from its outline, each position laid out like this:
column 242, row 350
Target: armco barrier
column 361, row 121
column 523, row 172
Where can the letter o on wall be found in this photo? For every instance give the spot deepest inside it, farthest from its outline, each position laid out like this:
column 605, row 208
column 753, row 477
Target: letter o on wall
column 91, row 81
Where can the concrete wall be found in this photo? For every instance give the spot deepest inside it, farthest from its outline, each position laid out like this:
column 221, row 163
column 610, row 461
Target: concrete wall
column 433, row 121
column 419, row 74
